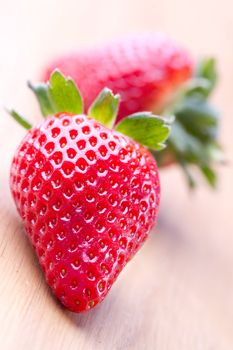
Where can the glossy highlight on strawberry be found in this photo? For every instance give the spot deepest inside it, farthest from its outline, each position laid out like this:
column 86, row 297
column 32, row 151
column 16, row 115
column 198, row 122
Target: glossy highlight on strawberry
column 87, row 195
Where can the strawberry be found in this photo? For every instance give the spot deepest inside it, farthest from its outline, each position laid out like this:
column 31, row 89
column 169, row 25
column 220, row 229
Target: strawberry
column 88, row 194
column 152, row 72
column 144, row 69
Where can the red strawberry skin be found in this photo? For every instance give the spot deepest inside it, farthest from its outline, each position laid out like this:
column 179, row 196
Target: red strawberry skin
column 145, row 69
column 88, row 197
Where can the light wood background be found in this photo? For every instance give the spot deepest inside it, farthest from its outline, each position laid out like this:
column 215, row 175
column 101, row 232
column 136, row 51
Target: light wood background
column 177, row 293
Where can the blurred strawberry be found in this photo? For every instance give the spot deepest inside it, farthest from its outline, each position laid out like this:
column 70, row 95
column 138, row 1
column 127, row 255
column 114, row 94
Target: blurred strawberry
column 144, row 69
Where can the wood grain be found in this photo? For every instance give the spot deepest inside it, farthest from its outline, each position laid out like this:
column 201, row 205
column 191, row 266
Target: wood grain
column 177, row 292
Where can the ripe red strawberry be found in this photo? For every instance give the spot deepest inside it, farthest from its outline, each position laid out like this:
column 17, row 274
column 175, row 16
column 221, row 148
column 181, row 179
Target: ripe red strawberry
column 144, row 69
column 149, row 72
column 88, row 195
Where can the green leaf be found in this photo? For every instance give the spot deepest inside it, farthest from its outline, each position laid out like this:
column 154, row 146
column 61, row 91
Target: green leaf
column 190, row 151
column 187, row 147
column 198, row 87
column 59, row 94
column 46, row 104
column 204, row 80
column 145, row 128
column 188, row 174
column 64, row 94
column 215, row 152
column 105, row 108
column 207, row 69
column 210, row 175
column 199, row 118
column 193, row 139
column 21, row 120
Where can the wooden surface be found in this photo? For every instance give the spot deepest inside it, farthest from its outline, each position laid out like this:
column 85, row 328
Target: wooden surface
column 177, row 292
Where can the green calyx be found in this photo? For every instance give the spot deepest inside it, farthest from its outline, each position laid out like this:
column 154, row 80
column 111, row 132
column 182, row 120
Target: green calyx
column 60, row 94
column 105, row 108
column 146, row 128
column 20, row 119
column 193, row 139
